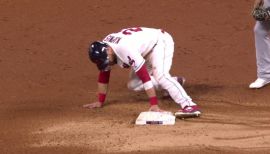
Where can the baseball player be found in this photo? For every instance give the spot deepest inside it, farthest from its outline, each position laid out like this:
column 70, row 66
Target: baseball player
column 262, row 45
column 149, row 53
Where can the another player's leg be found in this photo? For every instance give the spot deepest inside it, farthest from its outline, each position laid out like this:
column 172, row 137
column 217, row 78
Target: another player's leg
column 262, row 44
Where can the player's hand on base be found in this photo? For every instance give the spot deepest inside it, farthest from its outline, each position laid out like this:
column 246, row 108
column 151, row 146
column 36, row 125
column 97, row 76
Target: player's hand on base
column 155, row 108
column 93, row 105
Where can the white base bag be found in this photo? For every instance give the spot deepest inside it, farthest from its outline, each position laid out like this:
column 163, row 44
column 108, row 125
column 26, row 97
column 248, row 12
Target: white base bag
column 160, row 118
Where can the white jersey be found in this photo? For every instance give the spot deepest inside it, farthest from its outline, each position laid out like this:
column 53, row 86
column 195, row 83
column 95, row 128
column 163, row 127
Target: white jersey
column 131, row 45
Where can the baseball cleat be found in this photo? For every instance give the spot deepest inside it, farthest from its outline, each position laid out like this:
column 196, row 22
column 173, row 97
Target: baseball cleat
column 259, row 83
column 188, row 112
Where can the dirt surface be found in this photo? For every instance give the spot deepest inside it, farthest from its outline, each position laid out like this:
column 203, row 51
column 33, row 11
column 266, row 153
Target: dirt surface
column 46, row 77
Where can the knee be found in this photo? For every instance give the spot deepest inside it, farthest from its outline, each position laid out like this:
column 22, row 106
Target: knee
column 134, row 86
column 131, row 85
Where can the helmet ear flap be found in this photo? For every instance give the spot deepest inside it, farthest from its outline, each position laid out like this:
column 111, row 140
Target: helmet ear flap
column 98, row 54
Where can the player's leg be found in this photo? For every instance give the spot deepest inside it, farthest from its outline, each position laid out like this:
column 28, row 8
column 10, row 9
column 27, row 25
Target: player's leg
column 262, row 44
column 136, row 84
column 162, row 60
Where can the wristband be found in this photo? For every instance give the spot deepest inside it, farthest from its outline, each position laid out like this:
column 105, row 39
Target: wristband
column 153, row 100
column 101, row 98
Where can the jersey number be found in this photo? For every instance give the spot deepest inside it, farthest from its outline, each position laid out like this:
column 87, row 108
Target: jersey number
column 129, row 31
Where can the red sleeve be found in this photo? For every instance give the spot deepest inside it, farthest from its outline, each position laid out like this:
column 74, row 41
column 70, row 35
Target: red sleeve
column 104, row 77
column 143, row 74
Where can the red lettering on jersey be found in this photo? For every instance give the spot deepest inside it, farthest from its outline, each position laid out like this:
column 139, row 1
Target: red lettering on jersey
column 163, row 31
column 131, row 61
column 129, row 31
column 125, row 65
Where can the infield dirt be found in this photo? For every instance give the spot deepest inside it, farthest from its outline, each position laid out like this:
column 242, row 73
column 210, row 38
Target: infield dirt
column 46, row 77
